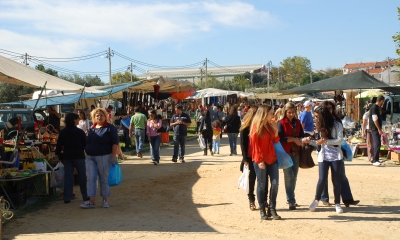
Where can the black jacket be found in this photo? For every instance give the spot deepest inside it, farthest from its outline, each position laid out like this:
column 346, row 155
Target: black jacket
column 244, row 146
column 73, row 140
column 233, row 124
column 208, row 128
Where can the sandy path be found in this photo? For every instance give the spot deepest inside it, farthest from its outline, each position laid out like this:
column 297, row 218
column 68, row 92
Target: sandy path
column 200, row 200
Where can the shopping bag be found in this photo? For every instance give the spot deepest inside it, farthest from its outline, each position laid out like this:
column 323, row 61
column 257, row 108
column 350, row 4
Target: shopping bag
column 306, row 160
column 284, row 159
column 114, row 175
column 243, row 181
column 201, row 142
column 57, row 176
column 349, row 153
column 384, row 139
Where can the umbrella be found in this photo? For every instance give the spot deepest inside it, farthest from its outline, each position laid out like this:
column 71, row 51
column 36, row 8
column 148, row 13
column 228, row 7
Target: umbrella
column 183, row 94
column 369, row 94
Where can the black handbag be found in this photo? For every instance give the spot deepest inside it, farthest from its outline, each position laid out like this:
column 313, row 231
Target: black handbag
column 306, row 160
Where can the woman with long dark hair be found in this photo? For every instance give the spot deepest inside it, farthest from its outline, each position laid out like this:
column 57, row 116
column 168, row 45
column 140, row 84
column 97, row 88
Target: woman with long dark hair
column 72, row 142
column 345, row 192
column 205, row 129
column 330, row 154
column 263, row 135
column 153, row 124
column 291, row 135
column 246, row 154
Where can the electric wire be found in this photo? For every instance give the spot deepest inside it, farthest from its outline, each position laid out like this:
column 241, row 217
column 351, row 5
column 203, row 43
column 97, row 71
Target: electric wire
column 84, row 57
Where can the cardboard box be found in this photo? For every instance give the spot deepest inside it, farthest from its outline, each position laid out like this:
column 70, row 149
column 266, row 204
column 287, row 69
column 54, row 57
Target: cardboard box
column 395, row 156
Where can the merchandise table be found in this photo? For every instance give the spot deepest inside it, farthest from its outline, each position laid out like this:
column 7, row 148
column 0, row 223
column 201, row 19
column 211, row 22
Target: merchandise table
column 22, row 178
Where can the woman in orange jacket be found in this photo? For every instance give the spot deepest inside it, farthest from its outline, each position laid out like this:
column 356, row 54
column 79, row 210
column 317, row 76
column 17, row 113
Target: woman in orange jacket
column 263, row 135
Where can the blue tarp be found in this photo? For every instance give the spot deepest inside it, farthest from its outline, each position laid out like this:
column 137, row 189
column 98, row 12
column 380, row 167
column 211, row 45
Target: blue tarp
column 73, row 98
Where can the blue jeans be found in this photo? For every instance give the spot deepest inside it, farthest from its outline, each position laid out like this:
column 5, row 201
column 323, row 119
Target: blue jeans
column 232, row 137
column 155, row 148
column 262, row 184
column 179, row 141
column 290, row 175
column 79, row 165
column 127, row 140
column 98, row 166
column 216, row 144
column 345, row 190
column 336, row 169
column 139, row 138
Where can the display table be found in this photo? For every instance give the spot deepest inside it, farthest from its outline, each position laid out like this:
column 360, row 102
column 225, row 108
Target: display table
column 32, row 178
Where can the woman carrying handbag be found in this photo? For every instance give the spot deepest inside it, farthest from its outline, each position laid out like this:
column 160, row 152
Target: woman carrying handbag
column 205, row 130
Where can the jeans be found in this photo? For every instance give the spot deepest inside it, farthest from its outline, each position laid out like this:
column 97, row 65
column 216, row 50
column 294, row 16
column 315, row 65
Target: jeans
column 345, row 190
column 98, row 166
column 376, row 145
column 216, row 144
column 232, row 137
column 290, row 175
column 252, row 182
column 79, row 165
column 139, row 137
column 208, row 141
column 262, row 184
column 127, row 140
column 323, row 168
column 155, row 148
column 179, row 141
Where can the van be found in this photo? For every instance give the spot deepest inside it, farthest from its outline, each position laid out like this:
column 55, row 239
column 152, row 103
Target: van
column 24, row 113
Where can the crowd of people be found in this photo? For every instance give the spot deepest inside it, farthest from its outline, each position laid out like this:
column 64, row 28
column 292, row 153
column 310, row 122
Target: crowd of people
column 95, row 147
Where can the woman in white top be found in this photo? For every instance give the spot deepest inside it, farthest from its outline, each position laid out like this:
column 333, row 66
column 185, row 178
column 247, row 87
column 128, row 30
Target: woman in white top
column 366, row 133
column 330, row 154
column 83, row 122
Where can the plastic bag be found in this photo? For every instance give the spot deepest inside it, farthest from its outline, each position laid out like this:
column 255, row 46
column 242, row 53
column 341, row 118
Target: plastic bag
column 57, row 176
column 243, row 181
column 201, row 142
column 284, row 159
column 345, row 146
column 114, row 175
column 384, row 139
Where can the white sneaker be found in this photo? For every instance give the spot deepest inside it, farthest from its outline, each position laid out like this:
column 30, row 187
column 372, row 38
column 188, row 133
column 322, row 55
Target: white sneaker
column 87, row 204
column 105, row 204
column 338, row 208
column 377, row 164
column 313, row 205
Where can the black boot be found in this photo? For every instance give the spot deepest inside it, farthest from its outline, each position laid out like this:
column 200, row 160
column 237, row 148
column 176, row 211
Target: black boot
column 272, row 212
column 263, row 214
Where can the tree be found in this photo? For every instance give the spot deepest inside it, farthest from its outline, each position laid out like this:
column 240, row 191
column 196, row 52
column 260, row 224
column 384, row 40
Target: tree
column 87, row 80
column 123, row 77
column 212, row 82
column 50, row 71
column 12, row 93
column 294, row 68
column 396, row 39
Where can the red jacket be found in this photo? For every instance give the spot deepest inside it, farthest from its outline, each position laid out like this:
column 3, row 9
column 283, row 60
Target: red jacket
column 288, row 132
column 262, row 147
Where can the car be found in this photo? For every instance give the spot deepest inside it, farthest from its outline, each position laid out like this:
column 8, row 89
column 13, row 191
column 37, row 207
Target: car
column 8, row 114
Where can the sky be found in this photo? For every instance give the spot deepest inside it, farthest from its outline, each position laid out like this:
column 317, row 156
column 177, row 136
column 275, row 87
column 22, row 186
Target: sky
column 153, row 34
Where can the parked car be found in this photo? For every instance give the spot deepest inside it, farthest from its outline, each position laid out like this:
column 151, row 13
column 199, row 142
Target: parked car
column 24, row 113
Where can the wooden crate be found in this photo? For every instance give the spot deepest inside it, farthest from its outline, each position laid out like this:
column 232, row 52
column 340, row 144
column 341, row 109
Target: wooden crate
column 395, row 156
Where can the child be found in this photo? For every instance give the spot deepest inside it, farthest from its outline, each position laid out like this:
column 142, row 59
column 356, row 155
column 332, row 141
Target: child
column 216, row 135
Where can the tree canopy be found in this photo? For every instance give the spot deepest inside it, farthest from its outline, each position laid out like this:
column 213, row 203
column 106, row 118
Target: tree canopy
column 123, row 77
column 396, row 39
column 294, row 68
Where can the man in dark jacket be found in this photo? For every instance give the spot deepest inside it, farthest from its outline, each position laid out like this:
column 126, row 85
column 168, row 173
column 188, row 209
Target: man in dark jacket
column 375, row 127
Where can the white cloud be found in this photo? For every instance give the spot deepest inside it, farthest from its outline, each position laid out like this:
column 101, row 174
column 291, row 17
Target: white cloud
column 149, row 23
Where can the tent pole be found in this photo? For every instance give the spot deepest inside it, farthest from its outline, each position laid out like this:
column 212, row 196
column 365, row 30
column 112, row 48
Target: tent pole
column 83, row 89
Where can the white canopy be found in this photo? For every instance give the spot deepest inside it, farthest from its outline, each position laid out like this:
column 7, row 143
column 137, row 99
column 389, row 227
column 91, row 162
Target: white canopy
column 212, row 92
column 16, row 73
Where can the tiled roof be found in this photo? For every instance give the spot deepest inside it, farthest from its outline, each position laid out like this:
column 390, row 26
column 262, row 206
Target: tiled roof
column 368, row 64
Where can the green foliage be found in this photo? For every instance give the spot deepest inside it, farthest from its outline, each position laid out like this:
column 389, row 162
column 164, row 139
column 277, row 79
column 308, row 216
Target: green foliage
column 50, row 71
column 294, row 68
column 123, row 77
column 396, row 39
column 209, row 82
column 87, row 80
column 11, row 92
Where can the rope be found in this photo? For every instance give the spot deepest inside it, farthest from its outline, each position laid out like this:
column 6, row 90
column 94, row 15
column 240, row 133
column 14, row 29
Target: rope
column 5, row 212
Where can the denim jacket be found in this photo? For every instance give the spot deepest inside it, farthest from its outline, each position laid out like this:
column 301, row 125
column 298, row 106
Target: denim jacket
column 337, row 135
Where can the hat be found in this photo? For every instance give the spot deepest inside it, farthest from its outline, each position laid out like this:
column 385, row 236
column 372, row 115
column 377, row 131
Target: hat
column 308, row 103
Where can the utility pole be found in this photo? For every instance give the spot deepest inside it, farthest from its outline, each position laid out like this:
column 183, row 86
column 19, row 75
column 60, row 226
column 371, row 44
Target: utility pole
column 388, row 59
column 269, row 71
column 131, row 72
column 206, row 72
column 26, row 59
column 279, row 73
column 109, row 63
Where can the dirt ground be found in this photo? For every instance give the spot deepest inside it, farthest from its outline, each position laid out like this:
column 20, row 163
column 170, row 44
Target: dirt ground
column 199, row 199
